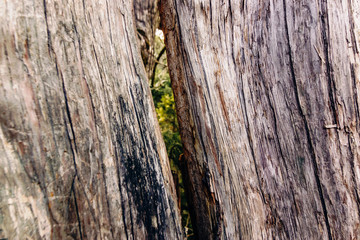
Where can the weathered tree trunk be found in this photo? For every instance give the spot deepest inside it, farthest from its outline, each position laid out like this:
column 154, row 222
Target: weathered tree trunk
column 267, row 96
column 81, row 153
column 147, row 21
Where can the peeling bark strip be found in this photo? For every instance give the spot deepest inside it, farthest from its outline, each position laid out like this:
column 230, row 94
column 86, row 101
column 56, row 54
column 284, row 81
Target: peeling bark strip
column 267, row 96
column 81, row 153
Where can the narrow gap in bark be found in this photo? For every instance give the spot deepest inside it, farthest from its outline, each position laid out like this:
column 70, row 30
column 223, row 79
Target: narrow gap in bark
column 153, row 53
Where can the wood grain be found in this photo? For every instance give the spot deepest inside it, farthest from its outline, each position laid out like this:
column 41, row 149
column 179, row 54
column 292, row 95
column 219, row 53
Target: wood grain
column 256, row 84
column 81, row 153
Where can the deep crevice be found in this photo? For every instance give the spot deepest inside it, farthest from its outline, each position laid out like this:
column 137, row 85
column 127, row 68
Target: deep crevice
column 153, row 52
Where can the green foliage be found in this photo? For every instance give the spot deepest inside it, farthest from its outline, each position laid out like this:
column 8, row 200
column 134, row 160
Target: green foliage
column 165, row 105
column 166, row 113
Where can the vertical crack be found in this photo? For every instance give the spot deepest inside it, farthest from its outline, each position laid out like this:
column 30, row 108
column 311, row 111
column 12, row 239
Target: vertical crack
column 71, row 141
column 76, row 205
column 307, row 130
column 47, row 29
column 276, row 137
column 331, row 82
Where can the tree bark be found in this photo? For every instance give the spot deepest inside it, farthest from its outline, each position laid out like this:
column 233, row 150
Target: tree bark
column 147, row 21
column 267, row 96
column 81, row 153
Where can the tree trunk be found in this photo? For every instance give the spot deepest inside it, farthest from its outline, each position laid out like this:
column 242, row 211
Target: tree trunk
column 81, row 153
column 147, row 21
column 267, row 96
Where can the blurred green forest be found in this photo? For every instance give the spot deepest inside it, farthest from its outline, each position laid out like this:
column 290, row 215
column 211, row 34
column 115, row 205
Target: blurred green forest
column 163, row 97
column 164, row 101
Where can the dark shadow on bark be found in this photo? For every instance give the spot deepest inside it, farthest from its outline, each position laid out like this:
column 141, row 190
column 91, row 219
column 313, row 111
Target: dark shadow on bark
column 153, row 52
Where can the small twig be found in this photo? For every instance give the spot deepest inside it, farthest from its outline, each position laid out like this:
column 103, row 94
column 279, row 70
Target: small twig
column 317, row 50
column 156, row 63
column 330, row 126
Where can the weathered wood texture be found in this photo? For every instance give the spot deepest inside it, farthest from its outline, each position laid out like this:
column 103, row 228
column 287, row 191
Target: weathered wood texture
column 81, row 153
column 147, row 21
column 267, row 96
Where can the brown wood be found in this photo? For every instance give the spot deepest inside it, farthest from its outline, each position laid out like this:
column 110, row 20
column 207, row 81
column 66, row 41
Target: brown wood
column 267, row 95
column 81, row 153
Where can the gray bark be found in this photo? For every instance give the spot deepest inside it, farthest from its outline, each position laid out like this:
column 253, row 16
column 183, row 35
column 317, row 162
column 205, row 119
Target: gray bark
column 267, row 95
column 81, row 153
column 147, row 21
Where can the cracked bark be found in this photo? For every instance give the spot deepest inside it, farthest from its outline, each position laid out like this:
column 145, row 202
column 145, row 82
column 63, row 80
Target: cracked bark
column 147, row 21
column 81, row 153
column 267, row 95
